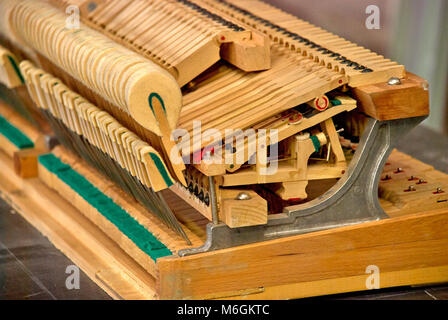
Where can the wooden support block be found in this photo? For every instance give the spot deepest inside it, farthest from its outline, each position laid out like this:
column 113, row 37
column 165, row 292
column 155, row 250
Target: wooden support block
column 293, row 190
column 242, row 213
column 25, row 163
column 388, row 102
column 249, row 54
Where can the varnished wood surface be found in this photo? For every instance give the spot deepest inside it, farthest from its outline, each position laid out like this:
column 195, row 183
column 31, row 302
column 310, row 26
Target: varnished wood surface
column 414, row 145
column 388, row 102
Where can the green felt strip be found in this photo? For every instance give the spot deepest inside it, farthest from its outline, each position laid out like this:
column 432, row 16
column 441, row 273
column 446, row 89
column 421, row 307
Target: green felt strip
column 316, row 143
column 335, row 102
column 16, row 68
column 17, row 137
column 160, row 166
column 130, row 227
column 157, row 96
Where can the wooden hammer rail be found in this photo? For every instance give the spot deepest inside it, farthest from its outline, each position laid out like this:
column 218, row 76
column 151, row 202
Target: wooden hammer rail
column 101, row 129
column 119, row 75
column 180, row 36
column 108, row 73
column 103, row 141
column 361, row 65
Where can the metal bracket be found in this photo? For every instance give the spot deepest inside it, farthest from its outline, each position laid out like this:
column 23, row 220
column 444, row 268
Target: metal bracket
column 352, row 200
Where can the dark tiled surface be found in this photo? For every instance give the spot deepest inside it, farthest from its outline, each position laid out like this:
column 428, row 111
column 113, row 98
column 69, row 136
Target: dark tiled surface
column 427, row 146
column 32, row 268
column 436, row 292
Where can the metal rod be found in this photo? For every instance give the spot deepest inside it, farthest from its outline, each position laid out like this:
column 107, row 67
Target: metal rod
column 213, row 202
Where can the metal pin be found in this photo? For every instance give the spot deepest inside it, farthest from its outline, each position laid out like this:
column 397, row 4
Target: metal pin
column 394, row 81
column 410, row 188
column 439, row 190
column 399, row 170
column 329, row 151
column 243, row 196
column 213, row 201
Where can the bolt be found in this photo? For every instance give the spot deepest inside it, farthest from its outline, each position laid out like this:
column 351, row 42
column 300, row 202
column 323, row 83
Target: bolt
column 439, row 190
column 410, row 188
column 399, row 170
column 394, row 81
column 386, row 177
column 243, row 196
column 420, row 181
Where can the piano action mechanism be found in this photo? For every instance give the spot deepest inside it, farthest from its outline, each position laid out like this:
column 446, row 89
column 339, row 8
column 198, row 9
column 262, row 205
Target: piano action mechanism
column 222, row 149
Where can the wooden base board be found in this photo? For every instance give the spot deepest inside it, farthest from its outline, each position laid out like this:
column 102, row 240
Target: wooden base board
column 408, row 250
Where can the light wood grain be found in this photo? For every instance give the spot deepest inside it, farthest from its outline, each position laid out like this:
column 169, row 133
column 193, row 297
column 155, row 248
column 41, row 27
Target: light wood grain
column 403, row 243
column 242, row 213
column 384, row 102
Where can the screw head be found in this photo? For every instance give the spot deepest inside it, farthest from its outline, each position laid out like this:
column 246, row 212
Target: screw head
column 394, row 81
column 439, row 190
column 243, row 196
